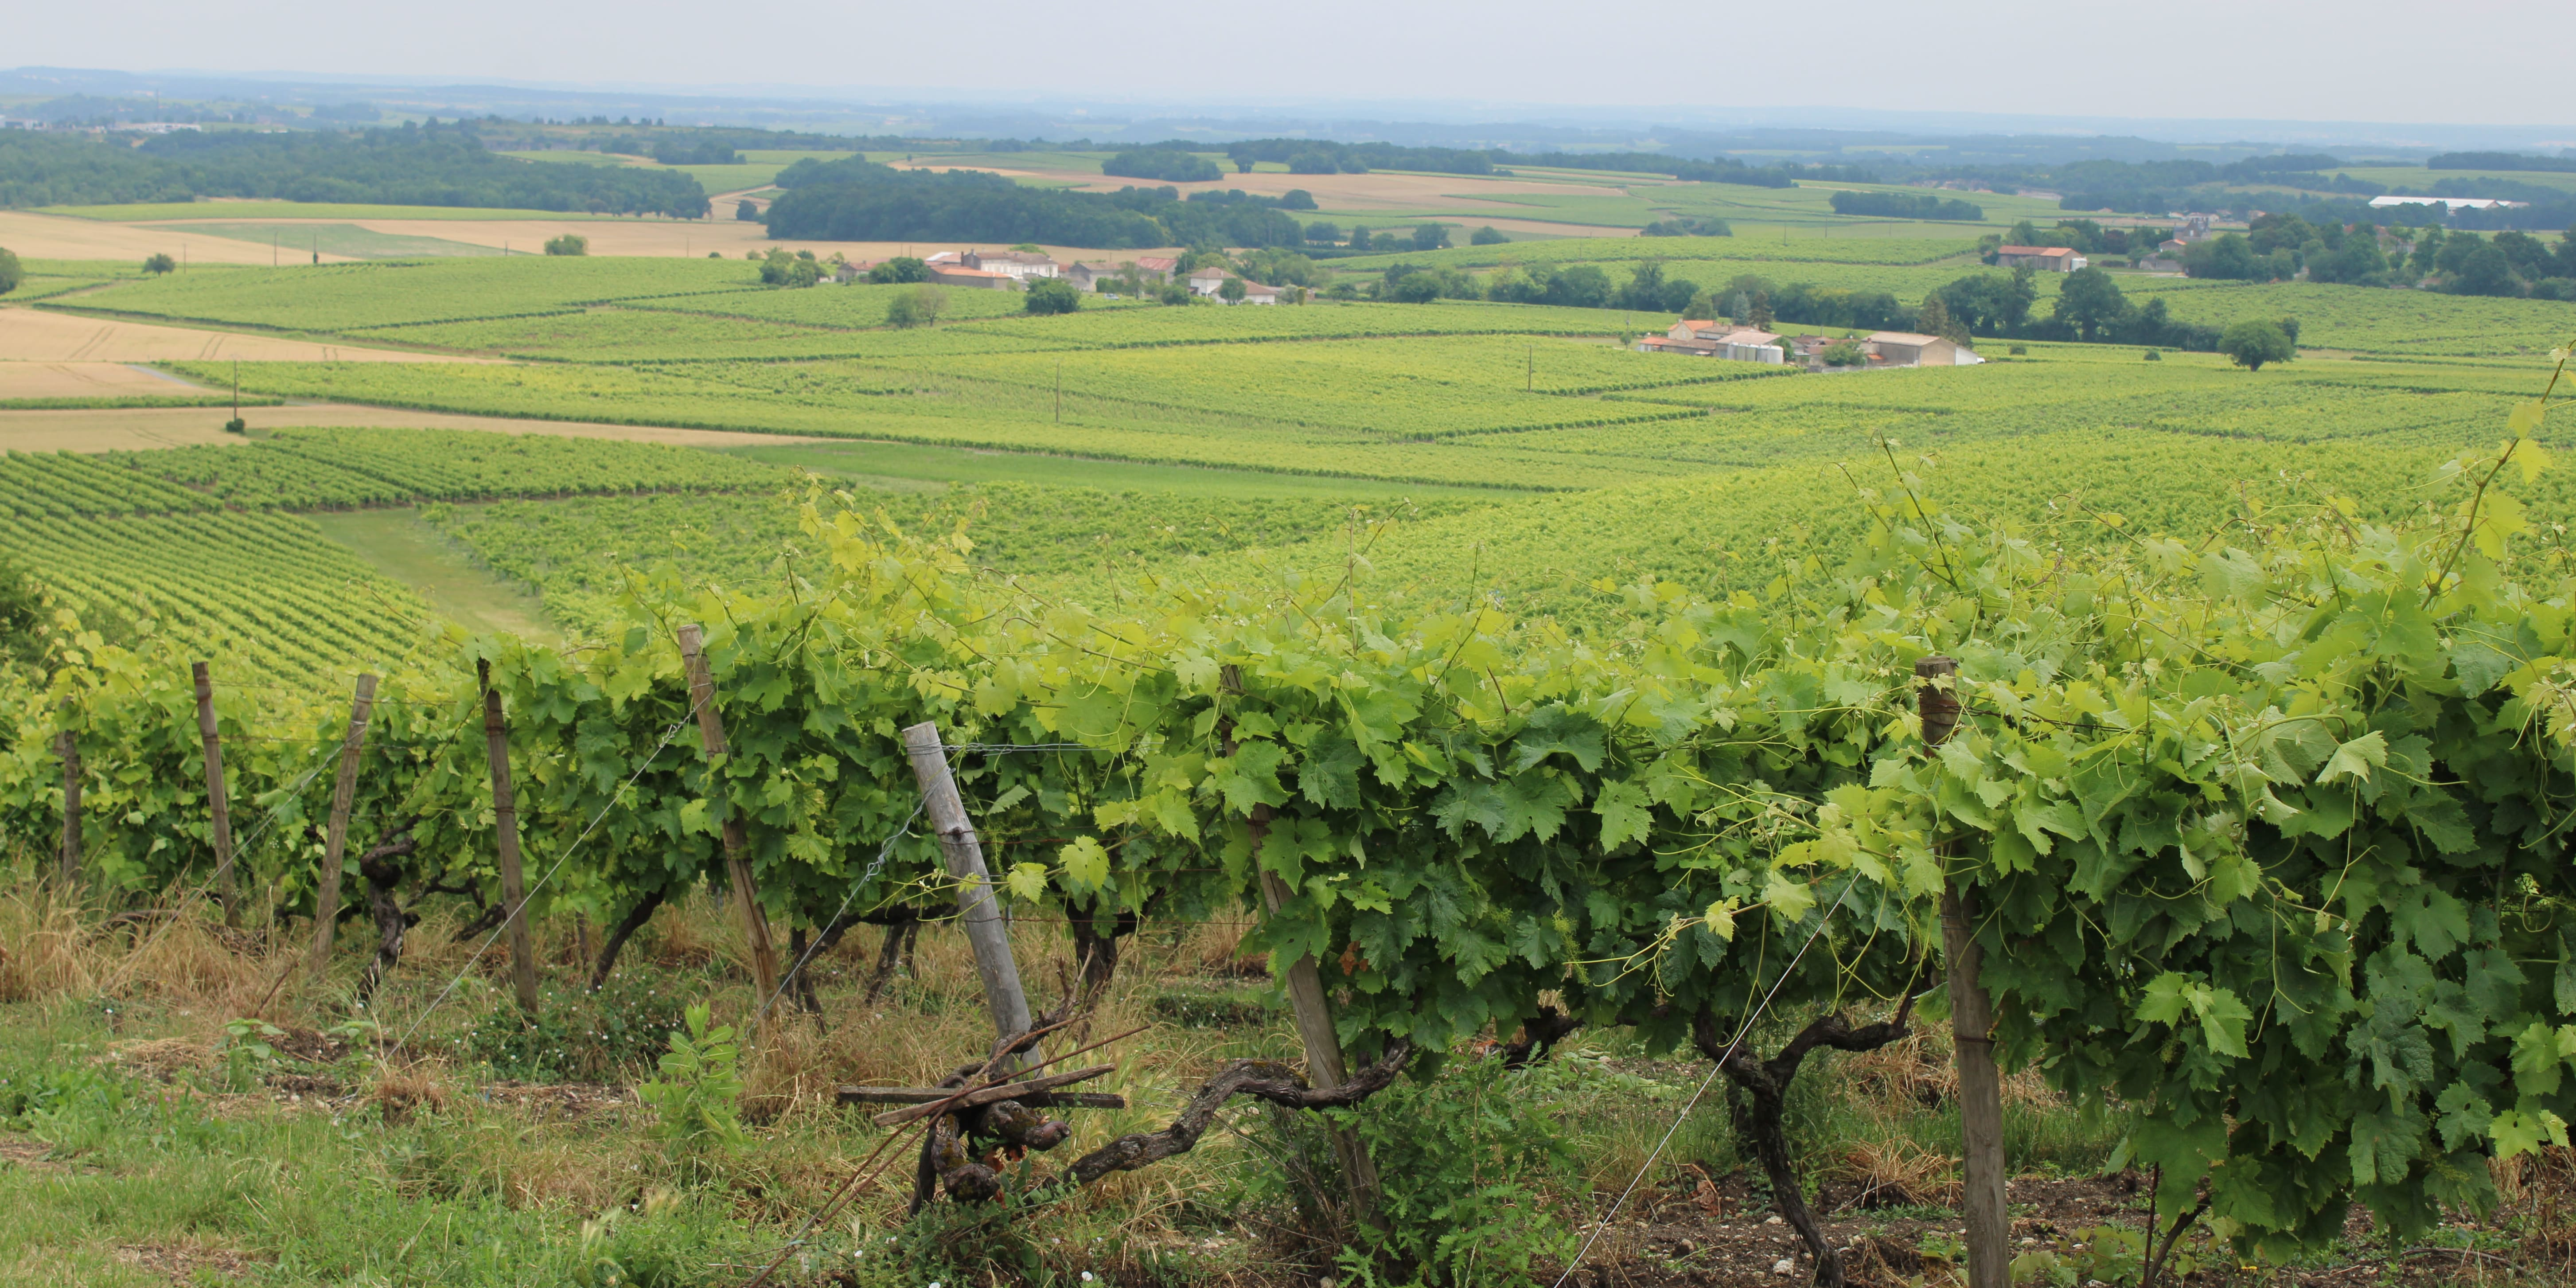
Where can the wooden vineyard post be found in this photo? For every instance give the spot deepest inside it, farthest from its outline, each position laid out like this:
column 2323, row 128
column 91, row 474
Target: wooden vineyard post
column 505, row 835
column 976, row 905
column 335, row 842
column 69, row 747
column 216, row 801
column 1972, row 1020
column 737, row 844
column 1314, row 1011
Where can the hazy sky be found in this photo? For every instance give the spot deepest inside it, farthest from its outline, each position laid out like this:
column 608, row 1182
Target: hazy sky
column 2462, row 61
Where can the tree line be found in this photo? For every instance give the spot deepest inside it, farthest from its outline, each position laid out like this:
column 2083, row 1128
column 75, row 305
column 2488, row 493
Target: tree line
column 853, row 199
column 414, row 165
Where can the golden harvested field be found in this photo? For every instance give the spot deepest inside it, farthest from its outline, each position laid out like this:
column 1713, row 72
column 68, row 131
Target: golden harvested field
column 25, row 379
column 126, row 429
column 34, row 236
column 43, row 336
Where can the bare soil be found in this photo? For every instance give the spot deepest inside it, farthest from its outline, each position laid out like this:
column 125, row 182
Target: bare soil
column 35, row 337
column 35, row 236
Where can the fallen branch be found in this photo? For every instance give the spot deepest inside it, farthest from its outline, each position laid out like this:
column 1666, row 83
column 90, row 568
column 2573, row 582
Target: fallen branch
column 953, row 1101
column 1261, row 1079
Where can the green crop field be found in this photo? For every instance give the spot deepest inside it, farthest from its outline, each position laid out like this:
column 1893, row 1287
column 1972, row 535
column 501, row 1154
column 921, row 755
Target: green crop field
column 348, row 297
column 1800, row 247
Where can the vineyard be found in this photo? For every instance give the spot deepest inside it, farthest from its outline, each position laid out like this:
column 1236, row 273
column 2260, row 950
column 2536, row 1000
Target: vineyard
column 2072, row 820
column 1724, row 831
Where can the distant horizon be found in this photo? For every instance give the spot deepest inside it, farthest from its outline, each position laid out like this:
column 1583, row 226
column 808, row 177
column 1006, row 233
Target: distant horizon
column 1071, row 115
column 2478, row 64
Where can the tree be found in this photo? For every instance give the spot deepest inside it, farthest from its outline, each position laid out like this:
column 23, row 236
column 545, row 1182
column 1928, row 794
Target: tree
column 1759, row 315
column 10, row 275
column 1739, row 309
column 2091, row 303
column 2022, row 234
column 568, row 244
column 2428, row 250
column 1934, row 319
column 159, row 264
column 1359, row 238
column 747, row 212
column 2255, row 341
column 1430, row 236
column 1414, row 288
column 920, row 306
column 1488, row 236
column 1176, row 291
column 779, row 268
column 1051, row 295
column 1848, row 353
column 1322, row 233
column 2227, row 258
column 1296, row 199
column 2485, row 271
column 1231, row 290
column 901, row 268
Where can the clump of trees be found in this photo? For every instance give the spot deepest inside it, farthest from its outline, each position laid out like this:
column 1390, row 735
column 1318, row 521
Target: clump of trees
column 1163, row 164
column 853, row 199
column 900, row 269
column 779, row 268
column 1905, row 205
column 568, row 244
column 10, row 274
column 918, row 307
column 1687, row 226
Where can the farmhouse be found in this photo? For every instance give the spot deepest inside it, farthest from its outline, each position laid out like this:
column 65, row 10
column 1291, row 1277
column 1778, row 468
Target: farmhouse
column 2054, row 259
column 1709, row 339
column 1906, row 349
column 1208, row 282
column 953, row 273
column 1018, row 265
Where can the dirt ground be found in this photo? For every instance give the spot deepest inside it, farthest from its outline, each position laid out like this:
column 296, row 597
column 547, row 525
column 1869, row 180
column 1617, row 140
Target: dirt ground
column 1723, row 1235
column 128, row 429
column 45, row 336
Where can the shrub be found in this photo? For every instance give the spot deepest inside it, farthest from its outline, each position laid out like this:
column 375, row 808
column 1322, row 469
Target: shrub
column 1488, row 236
column 568, row 244
column 920, row 306
column 10, row 275
column 1849, row 353
column 1049, row 295
column 2154, row 356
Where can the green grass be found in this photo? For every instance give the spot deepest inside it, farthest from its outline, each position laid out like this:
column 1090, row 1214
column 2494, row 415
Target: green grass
column 413, row 554
column 300, row 240
column 162, row 210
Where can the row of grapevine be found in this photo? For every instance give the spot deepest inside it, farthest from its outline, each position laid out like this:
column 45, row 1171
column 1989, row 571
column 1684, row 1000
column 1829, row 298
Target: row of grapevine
column 2267, row 829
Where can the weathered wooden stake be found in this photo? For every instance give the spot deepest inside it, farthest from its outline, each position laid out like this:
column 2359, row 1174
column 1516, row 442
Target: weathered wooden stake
column 69, row 747
column 1325, row 1067
column 335, row 842
column 976, row 905
column 737, row 844
column 505, row 835
column 1972, row 1020
column 216, row 801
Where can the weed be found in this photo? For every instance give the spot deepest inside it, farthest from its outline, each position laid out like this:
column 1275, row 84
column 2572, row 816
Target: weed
column 699, row 1095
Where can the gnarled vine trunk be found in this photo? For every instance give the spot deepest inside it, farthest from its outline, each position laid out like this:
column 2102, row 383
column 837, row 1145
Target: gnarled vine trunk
column 1765, row 1084
column 383, row 877
column 626, row 927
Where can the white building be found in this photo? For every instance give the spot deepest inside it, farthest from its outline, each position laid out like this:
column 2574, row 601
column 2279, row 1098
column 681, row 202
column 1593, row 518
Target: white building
column 1018, row 265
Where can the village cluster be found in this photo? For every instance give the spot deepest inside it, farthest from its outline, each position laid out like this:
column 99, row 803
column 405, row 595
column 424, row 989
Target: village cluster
column 1005, row 270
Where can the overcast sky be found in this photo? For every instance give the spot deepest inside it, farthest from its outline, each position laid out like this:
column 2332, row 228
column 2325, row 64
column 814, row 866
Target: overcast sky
column 2462, row 61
